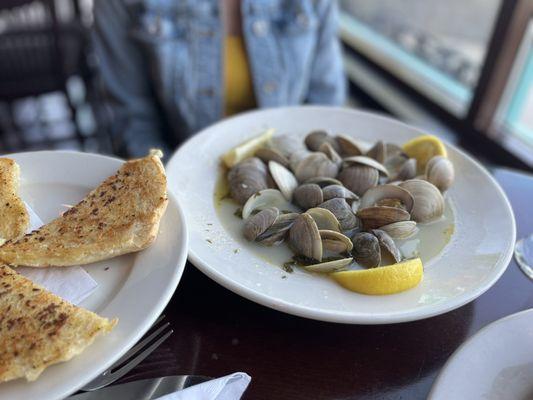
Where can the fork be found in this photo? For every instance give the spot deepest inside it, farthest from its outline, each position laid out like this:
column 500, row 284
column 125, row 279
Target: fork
column 132, row 358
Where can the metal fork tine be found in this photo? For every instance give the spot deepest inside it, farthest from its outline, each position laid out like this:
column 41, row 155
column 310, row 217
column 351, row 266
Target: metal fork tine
column 135, row 361
column 139, row 346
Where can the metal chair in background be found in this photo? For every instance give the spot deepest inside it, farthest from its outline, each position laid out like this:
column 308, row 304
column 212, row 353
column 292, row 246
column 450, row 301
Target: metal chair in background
column 43, row 51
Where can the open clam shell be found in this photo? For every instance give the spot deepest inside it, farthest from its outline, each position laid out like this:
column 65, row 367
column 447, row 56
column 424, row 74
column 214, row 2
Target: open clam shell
column 323, row 181
column 276, row 233
column 263, row 199
column 256, row 224
column 401, row 229
column 387, row 244
column 406, row 171
column 330, row 266
column 267, row 154
column 324, row 219
column 329, row 151
column 304, row 238
column 317, row 138
column 343, row 213
column 369, row 162
column 315, row 164
column 378, row 152
column 366, row 250
column 348, row 146
column 376, row 217
column 380, row 194
column 429, row 203
column 284, row 179
column 335, row 241
column 338, row 191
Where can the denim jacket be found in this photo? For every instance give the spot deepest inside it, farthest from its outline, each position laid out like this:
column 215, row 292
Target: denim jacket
column 161, row 62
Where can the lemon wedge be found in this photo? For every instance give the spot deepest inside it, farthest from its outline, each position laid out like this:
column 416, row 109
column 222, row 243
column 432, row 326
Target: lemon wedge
column 423, row 148
column 246, row 149
column 390, row 279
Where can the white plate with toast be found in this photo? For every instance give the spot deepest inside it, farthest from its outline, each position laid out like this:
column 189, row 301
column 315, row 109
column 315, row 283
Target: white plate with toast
column 478, row 249
column 134, row 287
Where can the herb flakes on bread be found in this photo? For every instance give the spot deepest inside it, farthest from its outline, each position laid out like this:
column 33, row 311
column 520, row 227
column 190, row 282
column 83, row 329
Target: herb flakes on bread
column 120, row 216
column 38, row 329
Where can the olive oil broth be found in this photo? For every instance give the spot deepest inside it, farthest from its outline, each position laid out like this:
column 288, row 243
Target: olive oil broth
column 426, row 243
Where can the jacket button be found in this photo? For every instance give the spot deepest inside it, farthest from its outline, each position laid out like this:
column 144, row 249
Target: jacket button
column 260, row 28
column 269, row 87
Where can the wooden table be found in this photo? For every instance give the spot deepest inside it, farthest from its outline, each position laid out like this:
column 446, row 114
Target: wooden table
column 218, row 332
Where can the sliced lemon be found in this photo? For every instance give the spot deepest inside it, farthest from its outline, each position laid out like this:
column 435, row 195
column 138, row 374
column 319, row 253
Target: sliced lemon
column 423, row 148
column 390, row 279
column 246, row 149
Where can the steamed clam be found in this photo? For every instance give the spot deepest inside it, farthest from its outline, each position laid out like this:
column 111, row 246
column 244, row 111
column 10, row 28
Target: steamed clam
column 246, row 178
column 315, row 164
column 428, row 201
column 342, row 211
column 308, row 195
column 440, row 172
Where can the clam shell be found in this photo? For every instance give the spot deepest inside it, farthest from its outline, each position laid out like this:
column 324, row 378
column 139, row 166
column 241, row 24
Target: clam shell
column 263, row 199
column 366, row 250
column 323, row 181
column 347, row 146
column 400, row 230
column 329, row 151
column 304, row 238
column 440, row 172
column 315, row 164
column 343, row 213
column 287, row 144
column 375, row 217
column 329, row 266
column 296, row 157
column 429, row 203
column 308, row 195
column 378, row 152
column 324, row 219
column 317, row 138
column 335, row 241
column 373, row 195
column 406, row 171
column 338, row 191
column 370, row 162
column 359, row 178
column 246, row 178
column 256, row 224
column 285, row 180
column 387, row 244
column 276, row 233
column 267, row 154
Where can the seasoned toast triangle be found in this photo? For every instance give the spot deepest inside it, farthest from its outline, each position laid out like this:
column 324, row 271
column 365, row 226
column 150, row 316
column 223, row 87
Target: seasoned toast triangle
column 120, row 216
column 38, row 329
column 14, row 219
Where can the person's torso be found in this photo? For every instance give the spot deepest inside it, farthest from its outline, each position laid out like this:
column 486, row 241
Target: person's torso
column 183, row 44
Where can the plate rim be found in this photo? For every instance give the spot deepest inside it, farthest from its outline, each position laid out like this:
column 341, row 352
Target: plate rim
column 164, row 299
column 483, row 331
column 354, row 317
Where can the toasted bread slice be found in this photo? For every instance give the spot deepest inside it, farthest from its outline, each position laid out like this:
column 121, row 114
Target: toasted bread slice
column 14, row 219
column 120, row 216
column 38, row 329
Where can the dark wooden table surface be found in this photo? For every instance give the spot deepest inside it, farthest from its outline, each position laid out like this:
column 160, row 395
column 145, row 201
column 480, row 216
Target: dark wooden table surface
column 218, row 332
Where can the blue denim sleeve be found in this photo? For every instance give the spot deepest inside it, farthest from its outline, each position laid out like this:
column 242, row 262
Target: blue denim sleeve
column 328, row 83
column 124, row 80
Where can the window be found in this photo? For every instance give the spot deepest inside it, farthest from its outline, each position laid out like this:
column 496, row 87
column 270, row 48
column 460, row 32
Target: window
column 437, row 47
column 513, row 122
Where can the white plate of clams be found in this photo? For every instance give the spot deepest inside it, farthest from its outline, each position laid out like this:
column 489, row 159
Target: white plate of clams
column 274, row 244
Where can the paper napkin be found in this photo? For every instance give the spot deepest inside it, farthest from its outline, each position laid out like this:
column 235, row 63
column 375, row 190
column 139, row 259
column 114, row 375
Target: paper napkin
column 229, row 387
column 73, row 284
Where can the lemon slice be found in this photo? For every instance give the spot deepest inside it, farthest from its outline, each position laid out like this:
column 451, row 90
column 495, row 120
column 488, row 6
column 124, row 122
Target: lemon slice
column 390, row 279
column 423, row 148
column 246, row 149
